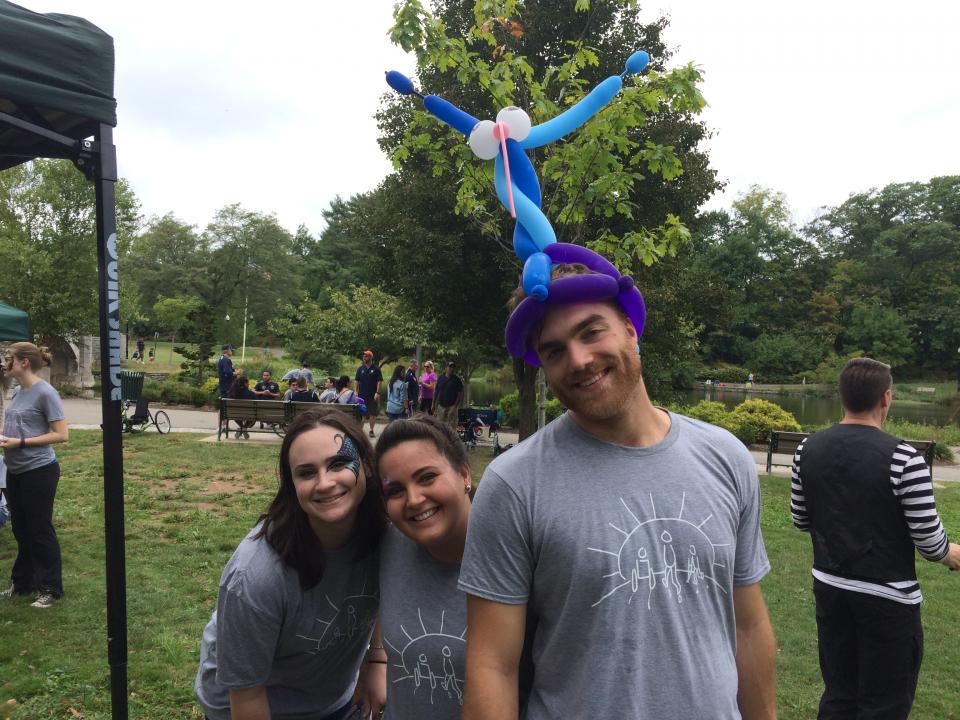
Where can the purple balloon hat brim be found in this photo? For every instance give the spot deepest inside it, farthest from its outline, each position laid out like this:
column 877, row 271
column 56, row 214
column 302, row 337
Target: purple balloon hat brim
column 605, row 283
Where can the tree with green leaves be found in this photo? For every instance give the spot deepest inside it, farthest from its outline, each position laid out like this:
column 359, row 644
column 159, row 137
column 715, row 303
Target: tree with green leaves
column 242, row 259
column 48, row 246
column 357, row 319
column 174, row 314
column 895, row 264
column 169, row 256
column 601, row 183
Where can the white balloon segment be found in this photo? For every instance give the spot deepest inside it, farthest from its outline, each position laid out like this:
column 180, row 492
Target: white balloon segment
column 482, row 140
column 517, row 120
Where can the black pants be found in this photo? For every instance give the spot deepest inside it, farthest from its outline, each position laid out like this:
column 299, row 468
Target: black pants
column 426, row 405
column 870, row 654
column 30, row 498
column 347, row 712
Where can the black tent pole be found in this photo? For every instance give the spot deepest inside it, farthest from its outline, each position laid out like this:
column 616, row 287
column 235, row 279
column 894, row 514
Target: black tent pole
column 104, row 177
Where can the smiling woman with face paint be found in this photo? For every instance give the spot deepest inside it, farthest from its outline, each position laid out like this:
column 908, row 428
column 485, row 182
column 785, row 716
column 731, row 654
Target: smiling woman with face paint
column 425, row 479
column 298, row 600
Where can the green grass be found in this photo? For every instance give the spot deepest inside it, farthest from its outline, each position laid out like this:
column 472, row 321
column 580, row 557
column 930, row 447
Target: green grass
column 944, row 391
column 189, row 503
column 944, row 435
column 787, row 590
column 168, row 361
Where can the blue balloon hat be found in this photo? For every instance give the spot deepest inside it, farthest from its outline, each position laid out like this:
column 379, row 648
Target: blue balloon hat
column 518, row 189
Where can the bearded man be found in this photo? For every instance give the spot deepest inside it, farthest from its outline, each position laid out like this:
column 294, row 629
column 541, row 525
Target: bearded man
column 629, row 535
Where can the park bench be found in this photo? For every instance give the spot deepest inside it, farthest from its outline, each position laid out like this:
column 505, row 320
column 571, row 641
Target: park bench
column 786, row 443
column 351, row 411
column 274, row 414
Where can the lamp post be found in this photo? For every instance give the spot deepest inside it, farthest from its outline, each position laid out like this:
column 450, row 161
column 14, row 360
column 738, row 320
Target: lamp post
column 243, row 343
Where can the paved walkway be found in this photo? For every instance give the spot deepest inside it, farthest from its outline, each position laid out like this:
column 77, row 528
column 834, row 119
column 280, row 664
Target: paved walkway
column 85, row 415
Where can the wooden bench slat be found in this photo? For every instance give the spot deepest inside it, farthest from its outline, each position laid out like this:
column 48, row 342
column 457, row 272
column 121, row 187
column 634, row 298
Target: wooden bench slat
column 273, row 411
column 785, row 442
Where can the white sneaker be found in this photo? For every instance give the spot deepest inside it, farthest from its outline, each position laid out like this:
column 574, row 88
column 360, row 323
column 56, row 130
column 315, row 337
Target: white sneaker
column 9, row 592
column 44, row 600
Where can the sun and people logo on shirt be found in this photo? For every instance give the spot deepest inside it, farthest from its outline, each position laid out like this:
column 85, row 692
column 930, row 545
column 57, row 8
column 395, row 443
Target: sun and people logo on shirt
column 668, row 556
column 353, row 618
column 428, row 660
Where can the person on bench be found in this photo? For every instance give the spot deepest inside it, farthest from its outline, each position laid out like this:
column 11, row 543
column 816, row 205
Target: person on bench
column 240, row 390
column 301, row 393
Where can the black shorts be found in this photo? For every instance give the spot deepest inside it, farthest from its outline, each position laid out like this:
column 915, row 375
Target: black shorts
column 373, row 406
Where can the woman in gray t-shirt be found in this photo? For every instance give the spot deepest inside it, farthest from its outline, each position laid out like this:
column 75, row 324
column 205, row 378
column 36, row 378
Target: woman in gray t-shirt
column 33, row 422
column 425, row 477
column 298, row 600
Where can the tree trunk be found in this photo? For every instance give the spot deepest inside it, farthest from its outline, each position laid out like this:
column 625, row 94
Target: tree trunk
column 525, row 377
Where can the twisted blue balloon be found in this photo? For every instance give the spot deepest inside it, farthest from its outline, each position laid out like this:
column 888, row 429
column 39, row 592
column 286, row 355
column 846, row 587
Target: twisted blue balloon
column 533, row 233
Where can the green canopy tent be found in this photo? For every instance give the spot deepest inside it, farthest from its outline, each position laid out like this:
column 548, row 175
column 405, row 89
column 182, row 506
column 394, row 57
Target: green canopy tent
column 56, row 100
column 14, row 324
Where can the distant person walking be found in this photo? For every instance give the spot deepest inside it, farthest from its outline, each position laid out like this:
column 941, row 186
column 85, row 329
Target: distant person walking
column 141, row 347
column 428, row 385
column 397, row 403
column 449, row 396
column 368, row 379
column 866, row 499
column 33, row 422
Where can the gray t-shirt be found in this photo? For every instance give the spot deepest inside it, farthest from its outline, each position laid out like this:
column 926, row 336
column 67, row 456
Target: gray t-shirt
column 29, row 414
column 628, row 557
column 306, row 647
column 423, row 618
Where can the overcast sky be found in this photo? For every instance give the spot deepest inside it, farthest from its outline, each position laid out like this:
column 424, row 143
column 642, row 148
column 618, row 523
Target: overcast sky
column 271, row 105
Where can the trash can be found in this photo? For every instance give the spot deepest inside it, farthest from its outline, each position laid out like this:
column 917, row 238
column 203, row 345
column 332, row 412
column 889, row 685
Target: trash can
column 131, row 384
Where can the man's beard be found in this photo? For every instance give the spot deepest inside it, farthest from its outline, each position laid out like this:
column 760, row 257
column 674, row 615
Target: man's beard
column 609, row 401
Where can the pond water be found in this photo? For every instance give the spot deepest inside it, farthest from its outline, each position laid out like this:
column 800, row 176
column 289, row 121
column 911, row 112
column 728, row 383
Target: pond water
column 817, row 410
column 484, row 393
column 807, row 410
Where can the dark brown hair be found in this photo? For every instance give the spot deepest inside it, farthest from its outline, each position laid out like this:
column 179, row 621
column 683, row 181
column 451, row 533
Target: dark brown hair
column 424, row 427
column 863, row 381
column 285, row 524
column 398, row 373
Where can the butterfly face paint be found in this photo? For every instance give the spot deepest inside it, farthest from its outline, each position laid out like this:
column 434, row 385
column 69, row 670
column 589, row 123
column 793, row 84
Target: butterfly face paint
column 347, row 456
column 390, row 487
column 325, row 469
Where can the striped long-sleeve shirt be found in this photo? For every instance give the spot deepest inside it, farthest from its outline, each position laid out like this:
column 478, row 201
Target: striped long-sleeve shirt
column 911, row 484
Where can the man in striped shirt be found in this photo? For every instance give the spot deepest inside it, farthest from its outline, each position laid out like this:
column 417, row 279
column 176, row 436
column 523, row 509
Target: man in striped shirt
column 866, row 499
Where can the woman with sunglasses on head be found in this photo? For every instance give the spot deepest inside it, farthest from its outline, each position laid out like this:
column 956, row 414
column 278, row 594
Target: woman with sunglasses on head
column 425, row 477
column 33, row 422
column 298, row 600
column 428, row 383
